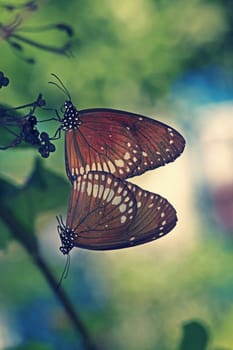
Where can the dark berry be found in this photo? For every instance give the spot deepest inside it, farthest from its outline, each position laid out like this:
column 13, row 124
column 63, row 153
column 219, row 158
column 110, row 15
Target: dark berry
column 5, row 81
column 44, row 150
column 32, row 119
column 44, row 136
column 35, row 132
column 52, row 147
column 41, row 149
column 45, row 155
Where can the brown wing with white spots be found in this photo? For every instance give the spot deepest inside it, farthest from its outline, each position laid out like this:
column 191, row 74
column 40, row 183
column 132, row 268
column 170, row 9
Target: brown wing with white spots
column 121, row 143
column 100, row 143
column 101, row 209
column 107, row 213
column 155, row 217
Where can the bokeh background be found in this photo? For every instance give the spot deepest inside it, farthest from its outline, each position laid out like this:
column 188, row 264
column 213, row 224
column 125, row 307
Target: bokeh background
column 172, row 61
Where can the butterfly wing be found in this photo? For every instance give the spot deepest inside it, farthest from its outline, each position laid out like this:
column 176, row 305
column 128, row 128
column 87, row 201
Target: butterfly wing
column 101, row 206
column 122, row 143
column 100, row 143
column 107, row 213
column 155, row 217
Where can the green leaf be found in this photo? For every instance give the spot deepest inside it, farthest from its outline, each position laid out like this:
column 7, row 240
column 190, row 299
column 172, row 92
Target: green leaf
column 5, row 236
column 195, row 336
column 20, row 206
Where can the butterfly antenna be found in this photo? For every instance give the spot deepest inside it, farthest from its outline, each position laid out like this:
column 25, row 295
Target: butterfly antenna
column 65, row 271
column 60, row 86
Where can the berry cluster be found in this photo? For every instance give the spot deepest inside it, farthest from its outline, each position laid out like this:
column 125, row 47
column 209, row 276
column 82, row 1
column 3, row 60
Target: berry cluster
column 4, row 81
column 45, row 145
column 31, row 135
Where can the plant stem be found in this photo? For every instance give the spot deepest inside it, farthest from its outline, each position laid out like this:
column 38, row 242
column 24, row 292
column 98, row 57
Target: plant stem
column 19, row 232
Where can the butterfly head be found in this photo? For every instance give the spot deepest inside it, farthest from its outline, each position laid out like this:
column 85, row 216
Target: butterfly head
column 71, row 119
column 67, row 236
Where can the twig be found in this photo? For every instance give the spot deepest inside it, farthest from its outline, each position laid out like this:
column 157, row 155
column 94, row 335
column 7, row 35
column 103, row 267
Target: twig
column 21, row 234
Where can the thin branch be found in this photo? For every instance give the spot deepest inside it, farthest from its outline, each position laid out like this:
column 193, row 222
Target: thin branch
column 20, row 232
column 59, row 50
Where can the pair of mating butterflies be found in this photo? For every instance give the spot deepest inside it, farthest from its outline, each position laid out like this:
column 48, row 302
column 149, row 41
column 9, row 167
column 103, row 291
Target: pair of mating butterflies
column 104, row 147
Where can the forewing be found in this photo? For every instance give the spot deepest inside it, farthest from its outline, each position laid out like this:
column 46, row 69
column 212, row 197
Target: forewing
column 121, row 143
column 101, row 143
column 100, row 211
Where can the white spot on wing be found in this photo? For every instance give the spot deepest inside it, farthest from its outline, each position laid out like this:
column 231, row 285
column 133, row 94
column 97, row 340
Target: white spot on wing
column 101, row 190
column 93, row 166
column 82, row 189
column 126, row 156
column 120, row 189
column 95, row 190
column 99, row 167
column 122, row 208
column 123, row 219
column 105, row 194
column 87, row 168
column 105, row 167
column 110, row 196
column 116, row 200
column 111, row 167
column 119, row 162
column 89, row 188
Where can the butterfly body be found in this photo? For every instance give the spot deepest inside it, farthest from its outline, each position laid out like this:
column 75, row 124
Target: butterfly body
column 71, row 119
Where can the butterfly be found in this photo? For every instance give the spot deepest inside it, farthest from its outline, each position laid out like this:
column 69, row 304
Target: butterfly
column 107, row 213
column 122, row 143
